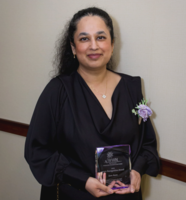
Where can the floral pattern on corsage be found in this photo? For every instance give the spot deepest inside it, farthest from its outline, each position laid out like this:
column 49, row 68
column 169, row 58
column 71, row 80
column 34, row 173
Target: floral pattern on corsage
column 142, row 110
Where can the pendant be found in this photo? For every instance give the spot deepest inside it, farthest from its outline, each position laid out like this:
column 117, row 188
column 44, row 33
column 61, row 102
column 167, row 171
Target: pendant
column 104, row 96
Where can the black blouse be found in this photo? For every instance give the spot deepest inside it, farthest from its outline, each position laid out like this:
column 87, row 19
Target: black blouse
column 69, row 123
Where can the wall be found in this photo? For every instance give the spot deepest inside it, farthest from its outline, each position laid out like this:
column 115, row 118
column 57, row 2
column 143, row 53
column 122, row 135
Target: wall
column 150, row 42
column 17, row 181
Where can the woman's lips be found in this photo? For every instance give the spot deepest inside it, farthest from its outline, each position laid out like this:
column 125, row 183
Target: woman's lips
column 94, row 56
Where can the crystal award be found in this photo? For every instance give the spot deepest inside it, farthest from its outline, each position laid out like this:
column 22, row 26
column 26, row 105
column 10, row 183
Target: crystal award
column 113, row 163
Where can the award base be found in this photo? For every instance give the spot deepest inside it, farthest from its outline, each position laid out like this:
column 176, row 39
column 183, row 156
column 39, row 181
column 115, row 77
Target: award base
column 112, row 163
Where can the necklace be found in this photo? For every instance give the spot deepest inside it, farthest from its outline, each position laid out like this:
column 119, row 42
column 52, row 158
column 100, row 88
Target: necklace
column 103, row 95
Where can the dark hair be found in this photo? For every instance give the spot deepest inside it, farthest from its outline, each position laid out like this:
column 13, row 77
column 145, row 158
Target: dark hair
column 64, row 60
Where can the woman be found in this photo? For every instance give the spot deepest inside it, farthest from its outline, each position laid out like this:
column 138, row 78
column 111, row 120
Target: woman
column 84, row 107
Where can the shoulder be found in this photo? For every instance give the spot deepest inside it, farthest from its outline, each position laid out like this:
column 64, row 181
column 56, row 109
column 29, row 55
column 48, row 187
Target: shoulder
column 52, row 87
column 53, row 92
column 131, row 79
column 127, row 77
column 57, row 83
column 52, row 97
column 133, row 84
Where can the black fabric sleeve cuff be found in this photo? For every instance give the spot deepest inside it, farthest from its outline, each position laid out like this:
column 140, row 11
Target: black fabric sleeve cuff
column 74, row 176
column 140, row 165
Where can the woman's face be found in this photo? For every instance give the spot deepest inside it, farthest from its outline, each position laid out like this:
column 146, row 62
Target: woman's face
column 93, row 46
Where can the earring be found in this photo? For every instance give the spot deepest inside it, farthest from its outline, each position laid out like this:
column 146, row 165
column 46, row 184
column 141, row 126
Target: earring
column 74, row 56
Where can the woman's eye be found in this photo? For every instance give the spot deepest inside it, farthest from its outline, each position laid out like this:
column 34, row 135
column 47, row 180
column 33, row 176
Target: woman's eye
column 83, row 39
column 101, row 38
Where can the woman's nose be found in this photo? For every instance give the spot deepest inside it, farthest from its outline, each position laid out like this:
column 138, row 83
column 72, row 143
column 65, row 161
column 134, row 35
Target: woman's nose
column 94, row 44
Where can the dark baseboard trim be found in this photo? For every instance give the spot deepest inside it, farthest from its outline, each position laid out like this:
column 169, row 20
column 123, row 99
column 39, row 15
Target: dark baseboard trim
column 173, row 169
column 168, row 168
column 13, row 127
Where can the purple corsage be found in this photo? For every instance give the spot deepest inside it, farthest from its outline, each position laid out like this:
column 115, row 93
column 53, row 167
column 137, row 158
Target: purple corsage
column 143, row 111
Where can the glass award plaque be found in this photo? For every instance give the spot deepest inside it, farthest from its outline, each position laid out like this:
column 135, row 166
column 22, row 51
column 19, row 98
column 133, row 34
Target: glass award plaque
column 113, row 163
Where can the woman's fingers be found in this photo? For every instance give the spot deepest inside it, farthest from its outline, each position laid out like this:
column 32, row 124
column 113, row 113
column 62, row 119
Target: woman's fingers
column 101, row 176
column 97, row 189
column 134, row 185
column 116, row 185
column 135, row 181
column 123, row 191
column 104, row 178
column 120, row 183
column 111, row 185
column 138, row 184
column 105, row 190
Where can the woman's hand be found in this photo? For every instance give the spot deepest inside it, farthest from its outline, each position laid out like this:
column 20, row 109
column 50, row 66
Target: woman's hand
column 97, row 189
column 101, row 176
column 134, row 186
column 135, row 181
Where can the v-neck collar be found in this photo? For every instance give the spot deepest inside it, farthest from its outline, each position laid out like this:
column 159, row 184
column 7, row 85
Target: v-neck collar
column 99, row 116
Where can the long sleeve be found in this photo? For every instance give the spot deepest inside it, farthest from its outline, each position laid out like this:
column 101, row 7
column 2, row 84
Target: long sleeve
column 146, row 159
column 47, row 164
